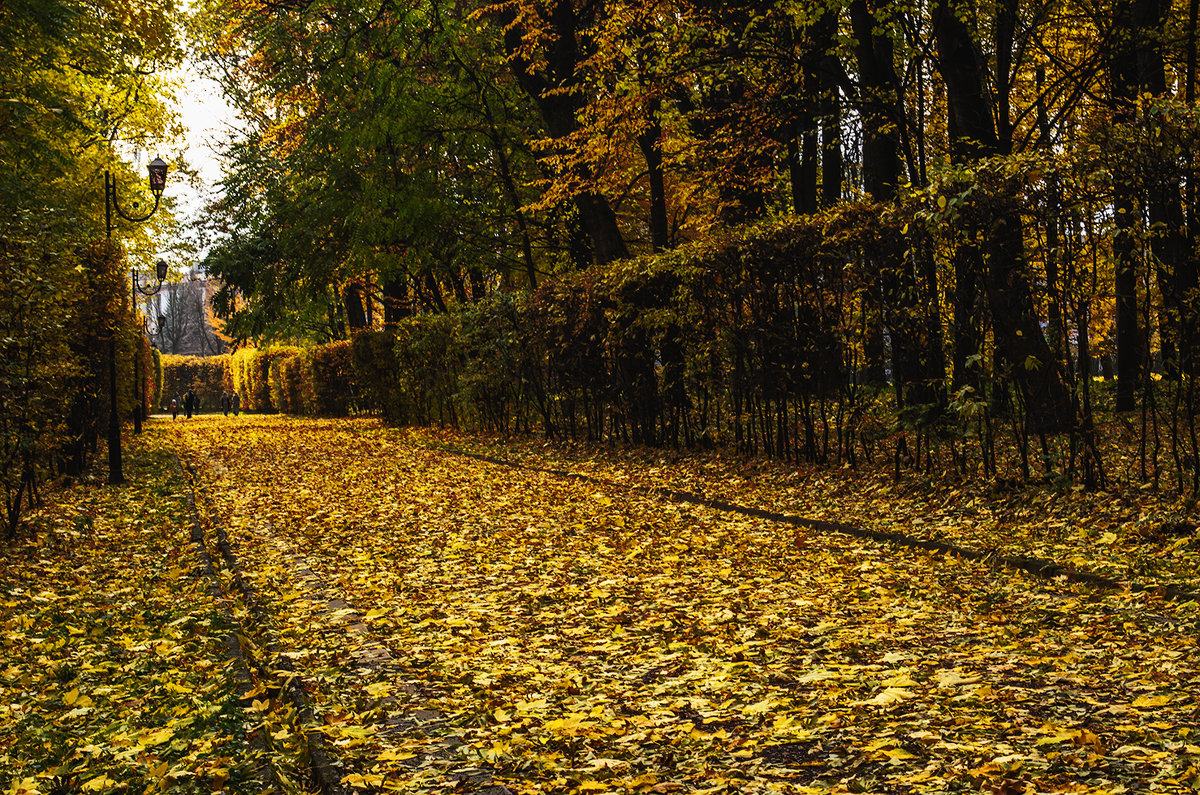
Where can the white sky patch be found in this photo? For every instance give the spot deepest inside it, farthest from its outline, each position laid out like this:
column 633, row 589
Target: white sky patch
column 210, row 123
column 209, row 120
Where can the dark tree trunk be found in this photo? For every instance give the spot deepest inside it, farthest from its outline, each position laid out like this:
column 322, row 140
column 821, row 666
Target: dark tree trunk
column 1129, row 338
column 1124, row 74
column 832, row 161
column 458, row 285
column 650, row 142
column 1164, row 200
column 356, row 316
column 882, row 167
column 802, row 171
column 818, row 79
column 802, row 143
column 478, row 285
column 553, row 87
column 436, row 301
column 879, row 102
column 1189, row 275
column 1006, row 26
column 1053, row 215
column 1019, row 340
column 395, row 300
column 967, row 340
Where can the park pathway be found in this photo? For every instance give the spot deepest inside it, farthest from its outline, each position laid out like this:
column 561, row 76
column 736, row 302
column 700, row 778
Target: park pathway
column 452, row 620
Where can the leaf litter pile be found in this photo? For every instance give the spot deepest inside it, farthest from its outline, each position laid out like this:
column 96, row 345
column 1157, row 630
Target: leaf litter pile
column 1132, row 535
column 465, row 625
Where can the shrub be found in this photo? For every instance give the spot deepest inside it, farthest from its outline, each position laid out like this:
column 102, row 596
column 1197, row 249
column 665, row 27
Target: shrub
column 375, row 369
column 429, row 360
column 331, row 388
column 251, row 375
column 287, row 377
column 205, row 375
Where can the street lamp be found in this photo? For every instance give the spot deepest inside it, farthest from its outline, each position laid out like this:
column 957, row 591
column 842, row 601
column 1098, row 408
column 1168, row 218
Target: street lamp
column 160, row 270
column 158, row 181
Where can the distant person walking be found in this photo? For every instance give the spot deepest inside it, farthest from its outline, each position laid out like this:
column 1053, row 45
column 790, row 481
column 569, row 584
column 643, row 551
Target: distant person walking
column 235, row 403
column 174, row 408
column 225, row 403
column 190, row 404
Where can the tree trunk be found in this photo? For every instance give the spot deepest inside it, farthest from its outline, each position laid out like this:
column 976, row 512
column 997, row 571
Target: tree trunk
column 1123, row 72
column 356, row 316
column 882, row 167
column 395, row 300
column 1165, row 196
column 1020, row 343
column 650, row 142
column 554, row 88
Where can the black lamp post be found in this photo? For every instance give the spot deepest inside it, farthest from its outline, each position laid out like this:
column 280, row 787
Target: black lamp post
column 158, row 180
column 160, row 271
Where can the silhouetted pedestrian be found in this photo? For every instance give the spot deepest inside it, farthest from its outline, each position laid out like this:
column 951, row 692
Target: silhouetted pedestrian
column 174, row 408
column 225, row 404
column 235, row 403
column 190, row 404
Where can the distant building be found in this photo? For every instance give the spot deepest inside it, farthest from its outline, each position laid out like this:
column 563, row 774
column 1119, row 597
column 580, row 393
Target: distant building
column 187, row 325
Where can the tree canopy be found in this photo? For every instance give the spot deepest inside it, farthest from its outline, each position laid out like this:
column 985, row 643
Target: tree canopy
column 84, row 90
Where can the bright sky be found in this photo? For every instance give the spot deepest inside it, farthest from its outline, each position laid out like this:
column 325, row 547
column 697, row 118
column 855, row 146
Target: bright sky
column 208, row 120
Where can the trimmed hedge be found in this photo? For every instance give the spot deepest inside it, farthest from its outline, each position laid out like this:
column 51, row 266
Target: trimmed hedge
column 318, row 380
column 251, row 374
column 331, row 386
column 749, row 338
column 373, row 365
column 204, row 374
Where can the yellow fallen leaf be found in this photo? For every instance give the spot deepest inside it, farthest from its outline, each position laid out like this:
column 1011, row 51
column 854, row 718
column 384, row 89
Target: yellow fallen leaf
column 25, row 786
column 363, row 781
column 157, row 737
column 953, row 678
column 1152, row 701
column 882, row 742
column 757, row 708
column 1060, row 736
column 392, row 755
column 890, row 695
column 378, row 689
column 818, row 675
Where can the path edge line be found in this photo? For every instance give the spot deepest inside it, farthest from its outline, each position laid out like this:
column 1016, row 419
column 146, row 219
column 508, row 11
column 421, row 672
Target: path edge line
column 323, row 768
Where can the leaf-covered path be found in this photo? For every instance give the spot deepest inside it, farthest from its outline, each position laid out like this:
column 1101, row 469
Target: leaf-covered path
column 559, row 637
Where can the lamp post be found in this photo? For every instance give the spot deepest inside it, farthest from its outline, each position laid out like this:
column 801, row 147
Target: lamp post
column 158, row 180
column 160, row 271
